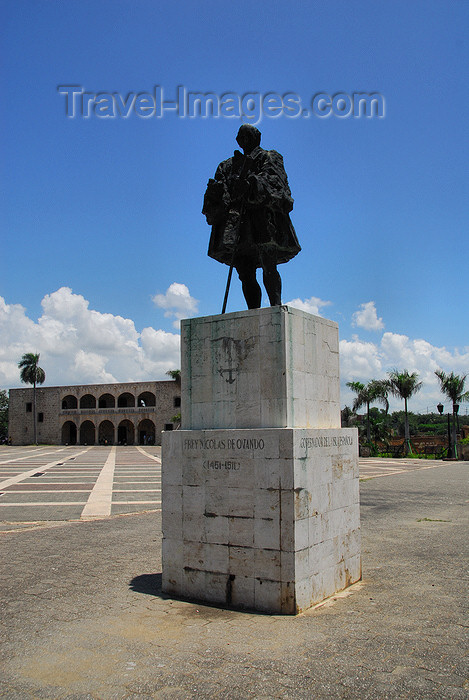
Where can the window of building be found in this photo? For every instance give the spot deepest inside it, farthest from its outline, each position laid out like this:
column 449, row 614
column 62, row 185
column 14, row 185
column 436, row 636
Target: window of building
column 147, row 398
column 29, row 407
column 69, row 402
column 88, row 401
column 40, row 418
column 126, row 400
column 177, row 401
column 106, row 401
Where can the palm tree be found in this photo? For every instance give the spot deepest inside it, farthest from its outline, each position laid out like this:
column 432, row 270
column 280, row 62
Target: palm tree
column 452, row 386
column 174, row 374
column 375, row 390
column 403, row 385
column 31, row 373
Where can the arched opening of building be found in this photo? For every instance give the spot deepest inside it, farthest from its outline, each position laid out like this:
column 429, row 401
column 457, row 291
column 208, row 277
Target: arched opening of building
column 146, row 432
column 125, row 433
column 69, row 402
column 106, row 433
column 106, row 401
column 126, row 400
column 147, row 398
column 87, row 433
column 88, row 401
column 69, row 433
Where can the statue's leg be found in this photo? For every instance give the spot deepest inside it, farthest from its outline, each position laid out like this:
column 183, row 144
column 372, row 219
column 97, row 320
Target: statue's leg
column 271, row 277
column 247, row 274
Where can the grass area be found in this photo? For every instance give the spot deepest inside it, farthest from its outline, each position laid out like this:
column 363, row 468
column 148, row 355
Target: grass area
column 432, row 520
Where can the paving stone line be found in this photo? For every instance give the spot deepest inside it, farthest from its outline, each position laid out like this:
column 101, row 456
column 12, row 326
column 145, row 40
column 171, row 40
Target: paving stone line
column 391, row 470
column 33, row 453
column 100, row 499
column 25, row 475
column 147, row 454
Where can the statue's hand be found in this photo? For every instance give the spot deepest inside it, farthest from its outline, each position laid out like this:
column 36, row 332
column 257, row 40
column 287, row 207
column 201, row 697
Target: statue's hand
column 214, row 189
column 240, row 189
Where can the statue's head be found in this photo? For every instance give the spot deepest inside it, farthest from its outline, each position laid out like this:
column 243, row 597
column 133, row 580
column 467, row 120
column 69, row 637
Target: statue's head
column 248, row 138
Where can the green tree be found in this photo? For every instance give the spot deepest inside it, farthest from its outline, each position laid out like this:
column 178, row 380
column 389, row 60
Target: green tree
column 380, row 422
column 403, row 385
column 3, row 414
column 452, row 386
column 375, row 391
column 31, row 373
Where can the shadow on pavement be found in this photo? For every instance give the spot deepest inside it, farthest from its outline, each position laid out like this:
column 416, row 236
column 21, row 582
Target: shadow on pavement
column 150, row 584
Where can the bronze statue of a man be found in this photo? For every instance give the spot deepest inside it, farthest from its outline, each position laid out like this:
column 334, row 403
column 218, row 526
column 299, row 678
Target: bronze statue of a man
column 248, row 205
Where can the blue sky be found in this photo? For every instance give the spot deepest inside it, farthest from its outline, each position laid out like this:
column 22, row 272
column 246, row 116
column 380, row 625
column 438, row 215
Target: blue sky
column 103, row 241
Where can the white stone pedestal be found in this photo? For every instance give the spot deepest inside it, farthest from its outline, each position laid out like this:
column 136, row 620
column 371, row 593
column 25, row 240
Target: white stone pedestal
column 266, row 368
column 260, row 487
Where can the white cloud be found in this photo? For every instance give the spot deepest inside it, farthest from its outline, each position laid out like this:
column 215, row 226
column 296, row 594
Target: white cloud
column 362, row 361
column 367, row 317
column 311, row 305
column 89, row 365
column 157, row 347
column 177, row 301
column 79, row 345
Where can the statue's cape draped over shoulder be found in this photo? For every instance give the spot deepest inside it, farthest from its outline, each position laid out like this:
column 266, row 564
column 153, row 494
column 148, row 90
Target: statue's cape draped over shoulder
column 248, row 204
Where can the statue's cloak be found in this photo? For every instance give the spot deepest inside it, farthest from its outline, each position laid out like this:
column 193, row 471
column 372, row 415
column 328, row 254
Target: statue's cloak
column 248, row 205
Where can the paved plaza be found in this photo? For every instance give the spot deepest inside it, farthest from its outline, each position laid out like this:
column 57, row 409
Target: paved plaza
column 69, row 483
column 83, row 616
column 55, row 483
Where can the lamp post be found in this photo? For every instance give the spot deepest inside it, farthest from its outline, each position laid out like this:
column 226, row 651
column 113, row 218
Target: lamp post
column 441, row 408
column 452, row 440
column 455, row 420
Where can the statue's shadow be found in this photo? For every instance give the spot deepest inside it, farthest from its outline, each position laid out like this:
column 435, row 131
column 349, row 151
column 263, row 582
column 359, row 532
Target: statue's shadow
column 149, row 584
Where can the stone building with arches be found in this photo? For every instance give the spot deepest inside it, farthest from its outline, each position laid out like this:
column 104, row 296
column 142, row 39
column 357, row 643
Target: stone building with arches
column 134, row 413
